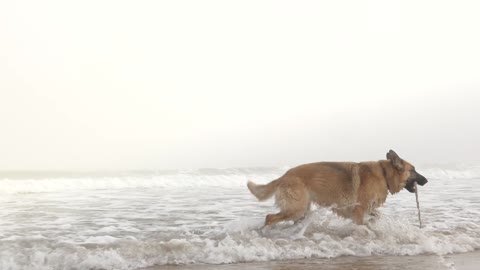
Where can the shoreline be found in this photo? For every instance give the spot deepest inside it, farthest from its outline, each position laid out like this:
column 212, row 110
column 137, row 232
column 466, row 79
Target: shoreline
column 459, row 261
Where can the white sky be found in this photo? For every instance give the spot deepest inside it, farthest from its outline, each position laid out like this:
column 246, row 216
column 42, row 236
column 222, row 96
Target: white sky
column 186, row 84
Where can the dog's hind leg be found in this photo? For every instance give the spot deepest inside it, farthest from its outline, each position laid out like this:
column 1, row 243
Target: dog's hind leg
column 292, row 198
column 305, row 214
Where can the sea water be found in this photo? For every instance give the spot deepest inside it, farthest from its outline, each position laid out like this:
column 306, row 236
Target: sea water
column 130, row 220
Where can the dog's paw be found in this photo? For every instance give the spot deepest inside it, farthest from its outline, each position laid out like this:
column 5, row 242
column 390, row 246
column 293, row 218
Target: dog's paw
column 373, row 216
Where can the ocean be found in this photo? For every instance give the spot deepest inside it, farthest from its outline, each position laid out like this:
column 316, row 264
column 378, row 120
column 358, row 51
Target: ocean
column 208, row 218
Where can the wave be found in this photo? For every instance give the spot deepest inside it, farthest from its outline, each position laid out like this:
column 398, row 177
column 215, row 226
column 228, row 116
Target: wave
column 193, row 178
column 227, row 178
column 322, row 235
column 455, row 172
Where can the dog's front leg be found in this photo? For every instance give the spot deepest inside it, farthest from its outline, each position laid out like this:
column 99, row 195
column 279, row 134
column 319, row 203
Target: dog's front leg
column 358, row 213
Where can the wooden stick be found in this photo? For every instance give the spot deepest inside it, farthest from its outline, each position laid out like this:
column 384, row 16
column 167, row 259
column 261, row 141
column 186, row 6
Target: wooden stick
column 418, row 204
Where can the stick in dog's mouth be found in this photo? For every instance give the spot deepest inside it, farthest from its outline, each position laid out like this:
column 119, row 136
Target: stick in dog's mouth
column 418, row 204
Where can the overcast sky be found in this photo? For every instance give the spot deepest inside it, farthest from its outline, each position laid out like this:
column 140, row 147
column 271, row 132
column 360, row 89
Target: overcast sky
column 123, row 85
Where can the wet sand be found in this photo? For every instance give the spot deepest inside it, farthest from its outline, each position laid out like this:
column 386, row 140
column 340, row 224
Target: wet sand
column 463, row 261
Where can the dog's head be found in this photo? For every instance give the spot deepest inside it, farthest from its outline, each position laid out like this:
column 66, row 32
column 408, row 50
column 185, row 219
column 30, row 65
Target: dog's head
column 405, row 174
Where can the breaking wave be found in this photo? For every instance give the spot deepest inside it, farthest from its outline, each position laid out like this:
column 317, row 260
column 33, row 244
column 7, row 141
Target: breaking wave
column 194, row 178
column 322, row 235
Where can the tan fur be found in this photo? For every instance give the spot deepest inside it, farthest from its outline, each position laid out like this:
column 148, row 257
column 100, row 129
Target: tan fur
column 351, row 189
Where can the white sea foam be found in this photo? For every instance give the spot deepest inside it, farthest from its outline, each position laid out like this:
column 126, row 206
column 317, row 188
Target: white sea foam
column 133, row 221
column 327, row 237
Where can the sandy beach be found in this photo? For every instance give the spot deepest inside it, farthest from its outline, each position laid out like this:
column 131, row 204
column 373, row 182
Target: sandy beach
column 462, row 261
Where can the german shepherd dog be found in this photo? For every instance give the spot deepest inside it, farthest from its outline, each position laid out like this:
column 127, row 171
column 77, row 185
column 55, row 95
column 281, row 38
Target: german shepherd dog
column 351, row 189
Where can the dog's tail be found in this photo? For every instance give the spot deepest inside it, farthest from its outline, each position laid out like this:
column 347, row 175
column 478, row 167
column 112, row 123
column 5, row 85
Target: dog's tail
column 263, row 192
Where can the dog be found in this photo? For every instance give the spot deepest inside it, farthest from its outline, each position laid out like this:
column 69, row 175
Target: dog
column 351, row 189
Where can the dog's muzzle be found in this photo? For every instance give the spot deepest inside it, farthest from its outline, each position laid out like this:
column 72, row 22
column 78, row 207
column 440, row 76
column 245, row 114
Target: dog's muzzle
column 415, row 177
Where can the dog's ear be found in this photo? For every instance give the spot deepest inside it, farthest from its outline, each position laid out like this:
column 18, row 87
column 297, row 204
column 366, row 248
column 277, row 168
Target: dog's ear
column 396, row 161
